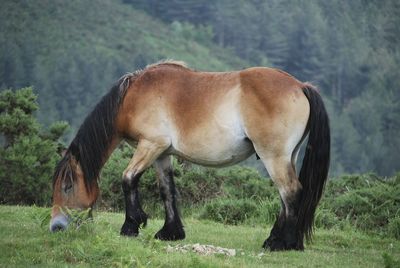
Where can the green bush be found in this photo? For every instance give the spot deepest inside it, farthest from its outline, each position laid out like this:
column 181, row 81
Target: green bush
column 26, row 168
column 366, row 201
column 325, row 218
column 268, row 209
column 198, row 185
column 28, row 154
column 230, row 211
column 245, row 182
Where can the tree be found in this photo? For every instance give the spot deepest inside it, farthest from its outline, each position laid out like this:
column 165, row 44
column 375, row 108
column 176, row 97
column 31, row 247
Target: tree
column 28, row 155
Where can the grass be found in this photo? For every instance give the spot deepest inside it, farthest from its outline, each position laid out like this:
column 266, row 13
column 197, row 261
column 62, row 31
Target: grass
column 26, row 242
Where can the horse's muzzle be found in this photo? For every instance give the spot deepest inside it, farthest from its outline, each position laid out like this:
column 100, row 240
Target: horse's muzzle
column 58, row 223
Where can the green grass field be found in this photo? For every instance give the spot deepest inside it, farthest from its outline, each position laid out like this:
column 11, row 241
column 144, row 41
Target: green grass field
column 26, row 242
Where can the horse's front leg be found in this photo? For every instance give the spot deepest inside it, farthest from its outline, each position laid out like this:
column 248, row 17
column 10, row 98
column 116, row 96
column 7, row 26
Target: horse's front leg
column 134, row 214
column 173, row 228
column 145, row 154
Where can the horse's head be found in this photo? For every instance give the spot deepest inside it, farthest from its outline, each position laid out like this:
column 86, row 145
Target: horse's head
column 70, row 192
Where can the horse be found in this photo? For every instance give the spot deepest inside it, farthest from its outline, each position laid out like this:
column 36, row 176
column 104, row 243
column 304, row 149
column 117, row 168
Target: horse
column 208, row 118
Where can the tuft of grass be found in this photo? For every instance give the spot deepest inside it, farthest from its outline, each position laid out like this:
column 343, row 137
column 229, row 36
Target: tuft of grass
column 77, row 217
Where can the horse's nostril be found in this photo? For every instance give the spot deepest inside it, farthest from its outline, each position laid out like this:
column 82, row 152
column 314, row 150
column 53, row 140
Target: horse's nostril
column 59, row 223
column 57, row 227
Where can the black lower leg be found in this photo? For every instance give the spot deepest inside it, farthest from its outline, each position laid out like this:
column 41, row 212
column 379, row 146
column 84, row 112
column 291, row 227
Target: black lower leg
column 292, row 235
column 285, row 235
column 275, row 241
column 173, row 228
column 134, row 215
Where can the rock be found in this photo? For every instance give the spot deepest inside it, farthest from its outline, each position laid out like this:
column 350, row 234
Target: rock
column 201, row 249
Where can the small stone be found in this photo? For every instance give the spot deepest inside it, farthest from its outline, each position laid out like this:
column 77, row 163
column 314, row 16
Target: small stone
column 231, row 252
column 202, row 249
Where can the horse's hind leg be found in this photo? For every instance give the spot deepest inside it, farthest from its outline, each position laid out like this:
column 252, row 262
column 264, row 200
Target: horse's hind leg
column 285, row 233
column 173, row 228
column 144, row 156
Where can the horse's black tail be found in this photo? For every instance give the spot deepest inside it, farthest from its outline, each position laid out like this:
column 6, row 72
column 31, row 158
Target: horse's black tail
column 314, row 171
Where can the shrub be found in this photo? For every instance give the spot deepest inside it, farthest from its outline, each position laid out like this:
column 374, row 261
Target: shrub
column 325, row 218
column 245, row 182
column 366, row 201
column 28, row 153
column 230, row 211
column 268, row 209
column 26, row 168
column 198, row 185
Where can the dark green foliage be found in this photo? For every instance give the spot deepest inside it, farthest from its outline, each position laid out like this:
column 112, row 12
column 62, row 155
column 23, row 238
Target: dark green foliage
column 57, row 129
column 325, row 218
column 268, row 209
column 26, row 168
column 244, row 182
column 197, row 186
column 16, row 110
column 367, row 201
column 29, row 155
column 230, row 211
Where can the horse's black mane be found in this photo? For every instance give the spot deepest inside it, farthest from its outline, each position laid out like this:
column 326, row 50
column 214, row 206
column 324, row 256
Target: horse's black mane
column 94, row 136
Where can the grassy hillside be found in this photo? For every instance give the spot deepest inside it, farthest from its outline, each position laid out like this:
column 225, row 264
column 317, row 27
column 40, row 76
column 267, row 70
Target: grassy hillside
column 26, row 241
column 72, row 51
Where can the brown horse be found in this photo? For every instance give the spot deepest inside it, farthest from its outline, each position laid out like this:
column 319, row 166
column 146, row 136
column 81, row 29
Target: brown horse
column 209, row 118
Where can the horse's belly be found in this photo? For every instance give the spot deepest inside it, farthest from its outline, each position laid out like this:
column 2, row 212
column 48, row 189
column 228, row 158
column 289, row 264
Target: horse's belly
column 217, row 155
column 218, row 146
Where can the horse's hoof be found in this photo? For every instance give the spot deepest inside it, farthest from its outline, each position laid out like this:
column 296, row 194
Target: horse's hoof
column 130, row 229
column 274, row 244
column 170, row 232
column 166, row 236
column 131, row 226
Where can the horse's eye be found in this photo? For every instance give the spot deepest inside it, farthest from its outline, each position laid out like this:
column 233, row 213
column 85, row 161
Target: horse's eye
column 67, row 186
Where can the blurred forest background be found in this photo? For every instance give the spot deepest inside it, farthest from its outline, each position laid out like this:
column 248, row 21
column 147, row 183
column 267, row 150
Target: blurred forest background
column 71, row 52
